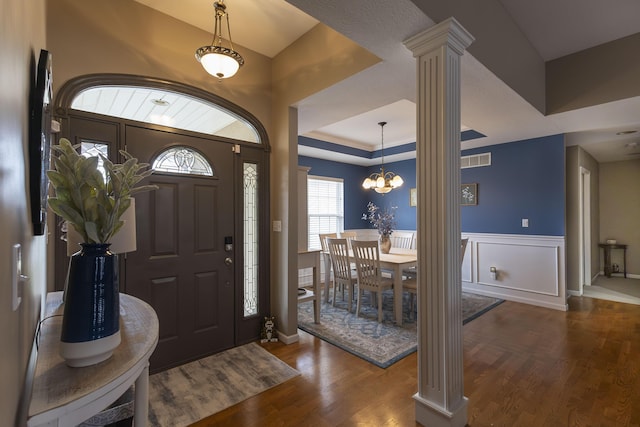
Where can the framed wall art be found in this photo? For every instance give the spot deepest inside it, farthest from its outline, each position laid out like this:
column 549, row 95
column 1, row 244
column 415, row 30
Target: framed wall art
column 40, row 141
column 469, row 194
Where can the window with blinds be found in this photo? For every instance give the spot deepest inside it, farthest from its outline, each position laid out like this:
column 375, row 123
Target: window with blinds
column 325, row 207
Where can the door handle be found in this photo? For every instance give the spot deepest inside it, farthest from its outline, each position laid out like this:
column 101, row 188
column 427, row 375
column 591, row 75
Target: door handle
column 228, row 261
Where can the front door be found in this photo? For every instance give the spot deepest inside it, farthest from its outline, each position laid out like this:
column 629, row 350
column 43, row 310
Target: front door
column 181, row 267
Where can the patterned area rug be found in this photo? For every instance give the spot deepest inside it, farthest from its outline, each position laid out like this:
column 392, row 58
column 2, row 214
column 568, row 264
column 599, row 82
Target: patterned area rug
column 379, row 343
column 188, row 393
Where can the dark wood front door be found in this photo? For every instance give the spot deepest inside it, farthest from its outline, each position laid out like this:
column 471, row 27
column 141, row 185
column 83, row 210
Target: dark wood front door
column 181, row 267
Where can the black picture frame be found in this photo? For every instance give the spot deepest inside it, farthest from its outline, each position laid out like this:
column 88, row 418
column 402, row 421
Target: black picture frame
column 40, row 141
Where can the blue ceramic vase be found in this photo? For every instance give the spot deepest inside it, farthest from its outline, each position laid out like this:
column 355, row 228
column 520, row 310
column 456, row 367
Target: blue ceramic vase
column 91, row 321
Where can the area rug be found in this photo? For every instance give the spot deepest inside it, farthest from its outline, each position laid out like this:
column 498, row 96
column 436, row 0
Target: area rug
column 191, row 392
column 384, row 343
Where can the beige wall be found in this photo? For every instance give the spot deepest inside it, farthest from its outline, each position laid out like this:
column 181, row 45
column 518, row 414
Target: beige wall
column 572, row 209
column 589, row 163
column 123, row 36
column 602, row 74
column 620, row 209
column 577, row 158
column 317, row 60
column 499, row 44
column 22, row 36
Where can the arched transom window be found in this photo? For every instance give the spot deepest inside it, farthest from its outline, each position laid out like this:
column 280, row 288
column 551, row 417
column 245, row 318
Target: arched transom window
column 165, row 107
column 182, row 160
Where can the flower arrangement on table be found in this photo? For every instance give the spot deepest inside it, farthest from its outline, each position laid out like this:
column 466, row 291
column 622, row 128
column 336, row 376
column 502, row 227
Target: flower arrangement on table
column 91, row 204
column 384, row 221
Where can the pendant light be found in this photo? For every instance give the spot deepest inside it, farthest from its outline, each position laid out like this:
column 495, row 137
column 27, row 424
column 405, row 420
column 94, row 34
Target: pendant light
column 382, row 182
column 217, row 60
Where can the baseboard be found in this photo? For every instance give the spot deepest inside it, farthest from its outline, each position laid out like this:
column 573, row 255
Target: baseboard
column 288, row 339
column 515, row 298
column 629, row 275
column 573, row 293
column 25, row 399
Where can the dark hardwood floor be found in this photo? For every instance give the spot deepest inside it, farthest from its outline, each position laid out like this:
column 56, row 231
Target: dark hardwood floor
column 523, row 366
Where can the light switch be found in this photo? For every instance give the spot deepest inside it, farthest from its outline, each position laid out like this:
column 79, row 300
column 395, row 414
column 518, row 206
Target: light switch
column 16, row 275
column 277, row 226
column 525, row 222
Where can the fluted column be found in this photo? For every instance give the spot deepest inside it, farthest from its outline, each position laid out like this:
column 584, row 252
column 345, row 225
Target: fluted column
column 440, row 399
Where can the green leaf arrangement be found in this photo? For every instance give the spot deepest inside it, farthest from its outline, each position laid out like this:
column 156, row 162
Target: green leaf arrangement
column 84, row 199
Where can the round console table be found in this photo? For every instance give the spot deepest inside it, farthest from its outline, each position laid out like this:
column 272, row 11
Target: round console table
column 64, row 396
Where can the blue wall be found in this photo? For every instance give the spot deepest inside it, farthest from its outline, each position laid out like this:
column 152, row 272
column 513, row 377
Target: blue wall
column 405, row 214
column 356, row 197
column 525, row 180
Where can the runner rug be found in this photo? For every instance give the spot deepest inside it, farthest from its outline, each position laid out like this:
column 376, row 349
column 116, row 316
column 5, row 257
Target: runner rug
column 379, row 343
column 188, row 393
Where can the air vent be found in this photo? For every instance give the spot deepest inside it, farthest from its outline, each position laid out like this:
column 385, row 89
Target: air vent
column 475, row 161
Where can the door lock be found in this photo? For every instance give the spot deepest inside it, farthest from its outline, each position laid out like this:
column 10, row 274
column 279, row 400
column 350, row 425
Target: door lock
column 228, row 261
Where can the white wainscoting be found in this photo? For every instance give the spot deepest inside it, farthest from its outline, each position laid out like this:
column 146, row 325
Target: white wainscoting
column 530, row 269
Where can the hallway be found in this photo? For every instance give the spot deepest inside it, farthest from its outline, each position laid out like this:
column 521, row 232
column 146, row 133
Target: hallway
column 614, row 289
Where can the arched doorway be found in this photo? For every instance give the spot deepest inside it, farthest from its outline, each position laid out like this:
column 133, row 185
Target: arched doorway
column 202, row 260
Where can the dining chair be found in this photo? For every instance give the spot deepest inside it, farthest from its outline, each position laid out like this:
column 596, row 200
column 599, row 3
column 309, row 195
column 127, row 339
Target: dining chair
column 343, row 275
column 402, row 239
column 349, row 235
column 367, row 258
column 411, row 284
column 323, row 242
column 463, row 248
column 325, row 251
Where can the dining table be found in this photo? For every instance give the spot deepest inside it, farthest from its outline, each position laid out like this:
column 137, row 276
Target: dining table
column 395, row 261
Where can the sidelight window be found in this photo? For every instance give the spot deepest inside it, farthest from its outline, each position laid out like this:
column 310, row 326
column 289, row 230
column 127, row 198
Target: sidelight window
column 95, row 149
column 251, row 223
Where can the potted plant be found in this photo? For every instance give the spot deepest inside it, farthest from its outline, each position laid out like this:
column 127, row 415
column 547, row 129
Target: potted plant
column 93, row 204
column 384, row 221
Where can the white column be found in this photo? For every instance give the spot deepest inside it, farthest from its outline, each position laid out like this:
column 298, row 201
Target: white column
column 440, row 400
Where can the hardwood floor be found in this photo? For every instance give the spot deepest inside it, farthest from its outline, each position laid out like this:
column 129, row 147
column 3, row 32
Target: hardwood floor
column 523, row 366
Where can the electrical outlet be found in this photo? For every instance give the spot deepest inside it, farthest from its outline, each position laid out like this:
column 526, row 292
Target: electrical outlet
column 525, row 222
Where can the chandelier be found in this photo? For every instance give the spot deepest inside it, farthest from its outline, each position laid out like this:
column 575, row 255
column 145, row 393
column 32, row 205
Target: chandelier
column 382, row 182
column 216, row 59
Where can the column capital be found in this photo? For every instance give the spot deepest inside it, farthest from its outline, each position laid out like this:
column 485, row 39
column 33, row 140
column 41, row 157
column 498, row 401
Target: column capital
column 448, row 32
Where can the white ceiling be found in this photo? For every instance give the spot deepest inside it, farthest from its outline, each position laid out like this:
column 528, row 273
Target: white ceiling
column 348, row 112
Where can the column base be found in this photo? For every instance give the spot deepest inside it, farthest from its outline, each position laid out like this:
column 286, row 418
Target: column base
column 428, row 414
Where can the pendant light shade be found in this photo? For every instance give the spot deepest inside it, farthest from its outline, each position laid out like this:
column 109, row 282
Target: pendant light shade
column 382, row 182
column 217, row 60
